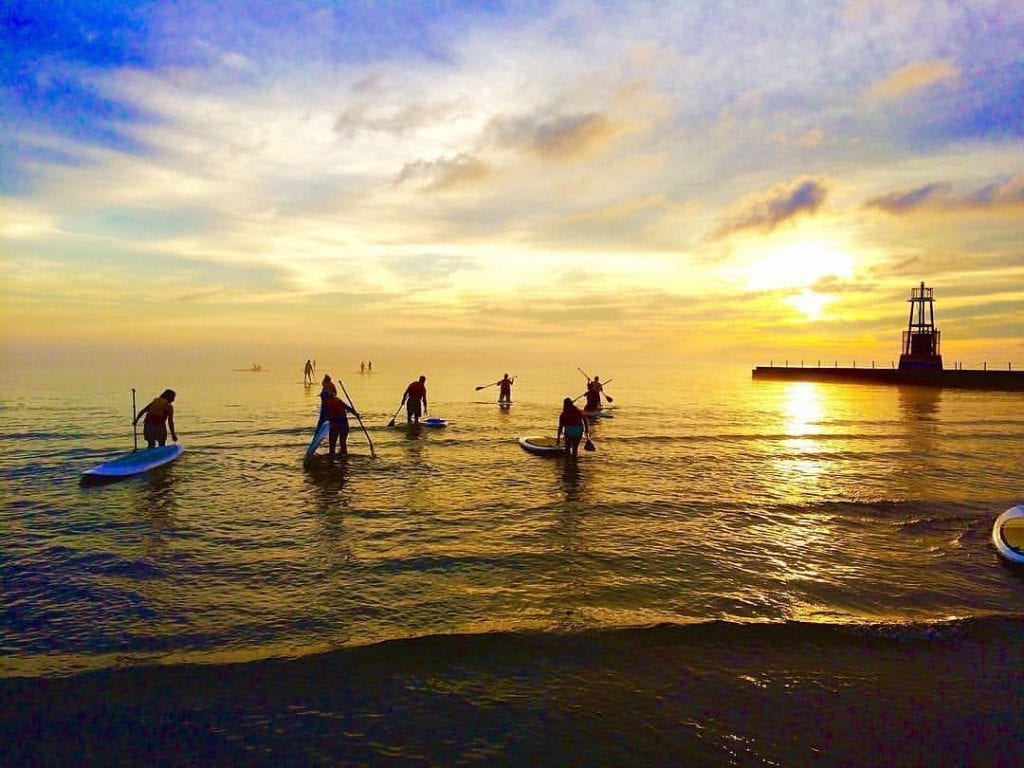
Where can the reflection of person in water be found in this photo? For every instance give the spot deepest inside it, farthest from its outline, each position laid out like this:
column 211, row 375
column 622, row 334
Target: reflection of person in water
column 159, row 416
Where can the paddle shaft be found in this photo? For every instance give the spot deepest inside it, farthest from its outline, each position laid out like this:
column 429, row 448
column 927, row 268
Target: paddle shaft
column 135, row 427
column 392, row 422
column 353, row 406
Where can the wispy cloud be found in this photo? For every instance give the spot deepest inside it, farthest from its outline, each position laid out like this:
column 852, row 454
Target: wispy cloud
column 778, row 205
column 564, row 138
column 940, row 196
column 914, row 77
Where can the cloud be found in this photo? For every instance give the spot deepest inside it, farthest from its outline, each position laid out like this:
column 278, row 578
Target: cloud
column 914, row 77
column 400, row 121
column 939, row 196
column 565, row 138
column 445, row 173
column 780, row 204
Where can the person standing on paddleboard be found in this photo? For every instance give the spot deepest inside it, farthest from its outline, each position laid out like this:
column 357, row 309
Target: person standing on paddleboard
column 159, row 416
column 505, row 389
column 336, row 411
column 415, row 400
column 308, row 373
column 593, row 396
column 574, row 424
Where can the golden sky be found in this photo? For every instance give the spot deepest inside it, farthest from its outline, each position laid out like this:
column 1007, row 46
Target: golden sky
column 652, row 179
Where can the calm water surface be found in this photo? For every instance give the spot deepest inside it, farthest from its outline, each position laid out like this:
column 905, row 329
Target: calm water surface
column 711, row 501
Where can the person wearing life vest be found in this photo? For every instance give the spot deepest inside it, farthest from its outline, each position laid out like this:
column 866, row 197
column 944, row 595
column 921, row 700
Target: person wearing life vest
column 336, row 411
column 415, row 400
column 159, row 416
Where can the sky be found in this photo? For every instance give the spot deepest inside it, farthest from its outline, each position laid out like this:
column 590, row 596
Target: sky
column 689, row 181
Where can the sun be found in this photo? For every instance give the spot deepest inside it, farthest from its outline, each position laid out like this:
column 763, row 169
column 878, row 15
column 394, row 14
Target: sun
column 798, row 264
column 811, row 303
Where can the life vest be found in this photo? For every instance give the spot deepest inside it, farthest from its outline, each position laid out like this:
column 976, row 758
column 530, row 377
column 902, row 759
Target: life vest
column 334, row 410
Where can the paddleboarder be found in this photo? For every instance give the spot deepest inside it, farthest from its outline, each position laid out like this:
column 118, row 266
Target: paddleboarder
column 505, row 389
column 415, row 400
column 159, row 416
column 336, row 411
column 573, row 423
column 308, row 373
column 593, row 396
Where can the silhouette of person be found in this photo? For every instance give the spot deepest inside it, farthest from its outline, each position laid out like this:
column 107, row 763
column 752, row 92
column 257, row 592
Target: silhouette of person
column 573, row 423
column 415, row 400
column 159, row 416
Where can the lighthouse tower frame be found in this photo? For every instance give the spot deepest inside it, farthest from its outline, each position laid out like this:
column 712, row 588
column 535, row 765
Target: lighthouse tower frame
column 921, row 339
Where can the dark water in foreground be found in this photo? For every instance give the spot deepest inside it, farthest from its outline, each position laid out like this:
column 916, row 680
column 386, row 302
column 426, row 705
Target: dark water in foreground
column 751, row 574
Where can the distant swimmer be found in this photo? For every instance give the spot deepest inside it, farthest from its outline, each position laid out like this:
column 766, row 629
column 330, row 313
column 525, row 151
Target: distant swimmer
column 308, row 373
column 336, row 411
column 573, row 423
column 369, row 365
column 159, row 416
column 415, row 400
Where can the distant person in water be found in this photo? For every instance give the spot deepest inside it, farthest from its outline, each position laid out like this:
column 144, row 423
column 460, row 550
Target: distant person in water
column 159, row 416
column 362, row 367
column 369, row 365
column 308, row 376
column 573, row 423
column 336, row 411
column 415, row 400
column 505, row 389
column 593, row 396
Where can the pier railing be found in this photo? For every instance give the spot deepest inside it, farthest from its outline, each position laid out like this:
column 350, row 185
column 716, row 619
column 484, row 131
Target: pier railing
column 957, row 366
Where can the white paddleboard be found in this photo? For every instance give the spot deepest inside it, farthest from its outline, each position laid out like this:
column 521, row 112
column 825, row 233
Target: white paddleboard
column 542, row 446
column 136, row 462
column 1008, row 534
column 318, row 438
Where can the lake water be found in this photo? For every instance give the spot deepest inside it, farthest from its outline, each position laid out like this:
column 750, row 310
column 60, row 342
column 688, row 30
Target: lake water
column 742, row 573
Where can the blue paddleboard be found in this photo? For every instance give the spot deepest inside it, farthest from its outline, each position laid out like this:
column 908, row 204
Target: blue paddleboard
column 318, row 438
column 137, row 461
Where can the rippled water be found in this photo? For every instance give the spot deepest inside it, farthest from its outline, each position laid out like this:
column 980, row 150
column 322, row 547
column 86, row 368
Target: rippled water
column 710, row 498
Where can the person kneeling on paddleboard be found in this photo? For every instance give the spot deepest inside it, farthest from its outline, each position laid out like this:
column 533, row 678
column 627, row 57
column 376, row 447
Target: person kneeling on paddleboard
column 336, row 411
column 159, row 416
column 574, row 424
column 415, row 400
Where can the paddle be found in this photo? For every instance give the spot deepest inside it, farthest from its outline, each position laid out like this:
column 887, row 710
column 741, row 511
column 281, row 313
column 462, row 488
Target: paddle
column 373, row 453
column 392, row 422
column 135, row 426
column 485, row 386
column 607, row 397
column 584, row 394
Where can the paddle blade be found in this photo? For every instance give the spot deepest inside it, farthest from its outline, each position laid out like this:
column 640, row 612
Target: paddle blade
column 609, row 398
column 589, row 445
